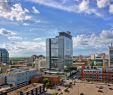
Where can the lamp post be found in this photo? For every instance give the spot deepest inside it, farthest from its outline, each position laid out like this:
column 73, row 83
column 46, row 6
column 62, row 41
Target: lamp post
column 78, row 89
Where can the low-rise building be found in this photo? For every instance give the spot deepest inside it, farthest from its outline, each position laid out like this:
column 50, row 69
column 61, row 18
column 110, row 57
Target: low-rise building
column 40, row 64
column 97, row 74
column 92, row 74
column 53, row 79
column 18, row 77
column 32, row 89
column 4, row 89
column 99, row 59
column 78, row 64
column 3, row 68
column 92, row 57
column 108, row 74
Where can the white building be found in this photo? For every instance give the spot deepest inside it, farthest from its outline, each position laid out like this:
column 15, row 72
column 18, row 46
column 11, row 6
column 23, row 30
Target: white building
column 97, row 56
column 20, row 76
column 92, row 57
column 40, row 64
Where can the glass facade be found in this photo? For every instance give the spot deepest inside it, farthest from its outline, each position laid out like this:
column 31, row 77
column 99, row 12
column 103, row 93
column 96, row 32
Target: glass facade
column 111, row 55
column 68, row 50
column 4, row 56
column 59, row 51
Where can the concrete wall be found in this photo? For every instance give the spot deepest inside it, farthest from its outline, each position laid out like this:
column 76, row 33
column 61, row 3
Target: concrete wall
column 2, row 80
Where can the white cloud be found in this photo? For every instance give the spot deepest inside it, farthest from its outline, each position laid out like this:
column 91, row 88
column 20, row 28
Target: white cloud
column 24, row 48
column 27, row 48
column 55, row 4
column 11, row 35
column 93, row 41
column 111, row 8
column 107, row 34
column 16, row 12
column 37, row 39
column 34, row 10
column 7, row 33
column 85, row 8
column 15, row 38
column 82, row 7
column 26, row 24
column 102, row 3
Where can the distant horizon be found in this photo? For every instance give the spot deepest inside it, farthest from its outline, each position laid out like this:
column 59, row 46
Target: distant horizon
column 25, row 25
column 45, row 56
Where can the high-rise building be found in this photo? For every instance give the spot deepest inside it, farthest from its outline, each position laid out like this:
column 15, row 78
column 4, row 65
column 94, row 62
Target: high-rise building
column 111, row 55
column 4, row 56
column 59, row 51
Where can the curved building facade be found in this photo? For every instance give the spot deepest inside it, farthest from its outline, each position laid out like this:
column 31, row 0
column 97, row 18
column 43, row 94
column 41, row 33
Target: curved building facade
column 4, row 56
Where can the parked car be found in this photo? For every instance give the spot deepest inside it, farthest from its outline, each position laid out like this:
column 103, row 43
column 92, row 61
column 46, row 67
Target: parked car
column 101, row 87
column 111, row 88
column 100, row 91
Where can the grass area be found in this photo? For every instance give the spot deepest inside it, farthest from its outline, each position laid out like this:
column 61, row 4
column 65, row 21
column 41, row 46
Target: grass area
column 18, row 58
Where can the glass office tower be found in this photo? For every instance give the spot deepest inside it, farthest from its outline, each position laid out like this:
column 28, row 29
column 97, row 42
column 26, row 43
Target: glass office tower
column 59, row 51
column 111, row 55
column 4, row 56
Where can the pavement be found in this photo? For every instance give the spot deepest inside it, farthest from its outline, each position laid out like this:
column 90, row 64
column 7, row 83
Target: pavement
column 89, row 89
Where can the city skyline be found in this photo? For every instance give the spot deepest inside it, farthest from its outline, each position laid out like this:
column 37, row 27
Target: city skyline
column 25, row 26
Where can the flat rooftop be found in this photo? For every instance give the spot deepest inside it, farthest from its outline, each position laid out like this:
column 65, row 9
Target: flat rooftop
column 4, row 88
column 47, row 75
column 66, row 34
column 25, row 89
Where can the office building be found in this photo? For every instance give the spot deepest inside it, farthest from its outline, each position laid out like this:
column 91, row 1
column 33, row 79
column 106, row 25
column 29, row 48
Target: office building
column 111, row 55
column 4, row 56
column 59, row 51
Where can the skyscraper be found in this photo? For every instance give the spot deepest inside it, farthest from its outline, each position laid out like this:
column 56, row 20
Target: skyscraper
column 59, row 51
column 111, row 55
column 4, row 56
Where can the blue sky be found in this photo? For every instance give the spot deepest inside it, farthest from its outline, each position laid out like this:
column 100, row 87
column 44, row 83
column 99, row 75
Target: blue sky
column 26, row 24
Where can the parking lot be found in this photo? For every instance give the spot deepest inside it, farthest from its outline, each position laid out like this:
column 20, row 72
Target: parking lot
column 90, row 89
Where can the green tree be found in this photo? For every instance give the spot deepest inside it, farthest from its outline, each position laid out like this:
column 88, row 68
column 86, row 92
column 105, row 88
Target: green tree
column 45, row 80
column 47, row 83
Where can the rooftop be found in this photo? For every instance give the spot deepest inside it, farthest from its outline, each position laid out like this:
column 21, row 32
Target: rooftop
column 66, row 34
column 25, row 89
